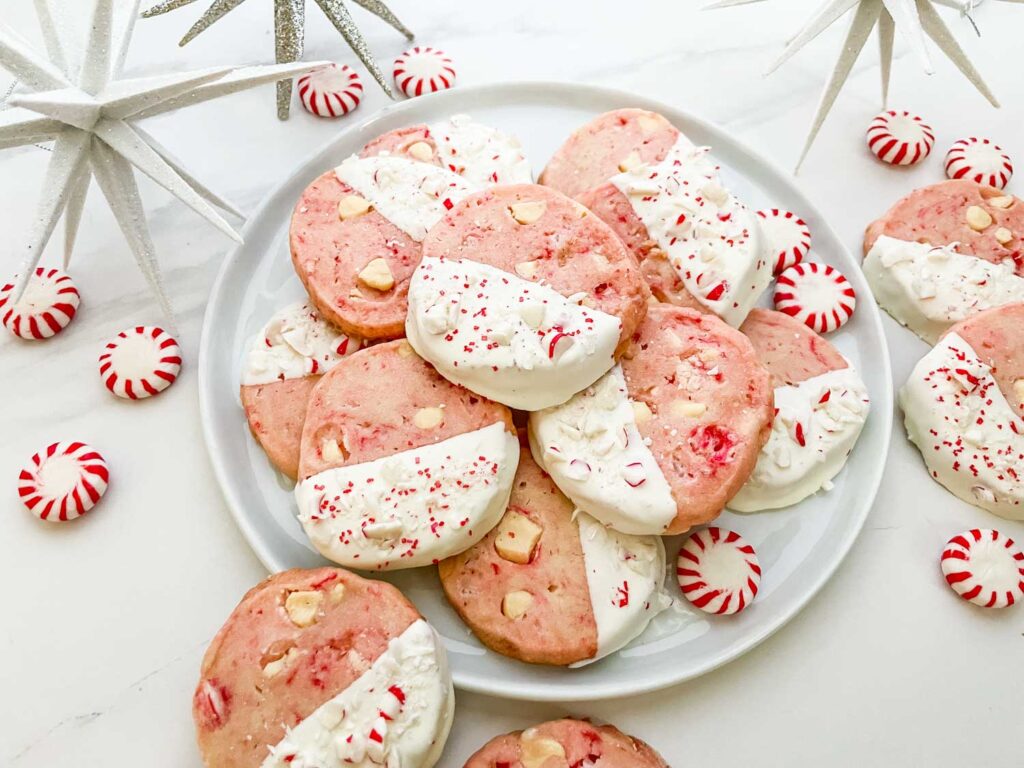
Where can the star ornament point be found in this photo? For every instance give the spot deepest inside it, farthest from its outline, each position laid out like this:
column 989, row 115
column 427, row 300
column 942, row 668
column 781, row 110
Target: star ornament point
column 917, row 21
column 91, row 118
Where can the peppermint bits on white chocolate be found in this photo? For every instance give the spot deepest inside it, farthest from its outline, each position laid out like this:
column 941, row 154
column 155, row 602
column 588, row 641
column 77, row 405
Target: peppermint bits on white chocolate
column 423, row 70
column 818, row 295
column 63, row 481
column 140, row 362
column 788, row 236
column 979, row 160
column 47, row 306
column 332, row 91
column 900, row 138
column 984, row 567
column 718, row 571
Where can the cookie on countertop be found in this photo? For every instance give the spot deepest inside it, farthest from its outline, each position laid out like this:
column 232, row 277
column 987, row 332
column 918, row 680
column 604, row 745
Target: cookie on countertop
column 398, row 467
column 550, row 585
column 322, row 667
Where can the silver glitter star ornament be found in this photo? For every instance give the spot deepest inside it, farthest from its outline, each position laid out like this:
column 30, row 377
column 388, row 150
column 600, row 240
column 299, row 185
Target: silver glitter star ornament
column 289, row 32
column 916, row 20
column 91, row 118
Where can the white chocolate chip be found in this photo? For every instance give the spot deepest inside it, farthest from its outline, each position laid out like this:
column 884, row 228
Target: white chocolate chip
column 516, row 604
column 532, row 313
column 272, row 668
column 517, row 538
column 648, row 124
column 526, row 269
column 1018, row 390
column 631, row 162
column 386, row 529
column 528, row 212
column 1003, row 235
column 428, row 418
column 1003, row 202
column 302, row 607
column 641, row 411
column 351, row 206
column 539, row 752
column 337, row 593
column 355, row 293
column 331, row 451
column 422, row 151
column 688, row 409
column 978, row 218
column 405, row 349
column 377, row 275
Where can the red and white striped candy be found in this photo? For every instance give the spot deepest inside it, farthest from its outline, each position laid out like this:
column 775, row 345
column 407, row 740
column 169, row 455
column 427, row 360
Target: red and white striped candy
column 984, row 567
column 423, row 70
column 332, row 91
column 979, row 160
column 818, row 295
column 46, row 307
column 789, row 238
column 63, row 482
column 718, row 571
column 900, row 138
column 140, row 362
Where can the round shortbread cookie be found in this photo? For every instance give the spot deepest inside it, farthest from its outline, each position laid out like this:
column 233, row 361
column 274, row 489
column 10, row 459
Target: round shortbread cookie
column 283, row 364
column 47, row 306
column 523, row 296
column 140, row 362
column 549, row 584
column 566, row 743
column 398, row 467
column 663, row 441
column 322, row 667
column 610, row 143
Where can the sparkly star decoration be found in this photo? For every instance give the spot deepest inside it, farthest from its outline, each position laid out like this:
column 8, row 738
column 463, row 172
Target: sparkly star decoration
column 90, row 114
column 289, row 33
column 916, row 19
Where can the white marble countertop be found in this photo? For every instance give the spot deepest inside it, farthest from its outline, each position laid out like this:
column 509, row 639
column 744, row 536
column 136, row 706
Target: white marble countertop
column 106, row 619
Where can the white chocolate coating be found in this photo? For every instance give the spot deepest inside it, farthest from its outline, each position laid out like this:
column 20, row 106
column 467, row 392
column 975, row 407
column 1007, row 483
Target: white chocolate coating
column 480, row 154
column 928, row 289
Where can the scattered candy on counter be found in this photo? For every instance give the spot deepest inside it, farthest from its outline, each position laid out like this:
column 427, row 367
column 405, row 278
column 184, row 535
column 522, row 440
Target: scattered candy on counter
column 140, row 362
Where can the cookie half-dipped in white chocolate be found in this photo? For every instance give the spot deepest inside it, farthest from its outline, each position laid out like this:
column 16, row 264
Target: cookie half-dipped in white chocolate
column 356, row 236
column 698, row 245
column 398, row 467
column 550, row 584
column 523, row 296
column 821, row 405
column 333, row 669
column 284, row 362
column 479, row 153
column 962, row 408
column 665, row 443
column 929, row 288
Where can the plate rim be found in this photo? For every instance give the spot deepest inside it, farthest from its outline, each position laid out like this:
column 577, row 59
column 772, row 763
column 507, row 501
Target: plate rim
column 558, row 692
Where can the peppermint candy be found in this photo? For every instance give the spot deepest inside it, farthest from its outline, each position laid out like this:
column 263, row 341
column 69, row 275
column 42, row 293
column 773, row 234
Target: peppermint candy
column 789, row 238
column 332, row 91
column 979, row 160
column 423, row 70
column 984, row 567
column 718, row 571
column 140, row 362
column 63, row 482
column 900, row 138
column 46, row 307
column 818, row 295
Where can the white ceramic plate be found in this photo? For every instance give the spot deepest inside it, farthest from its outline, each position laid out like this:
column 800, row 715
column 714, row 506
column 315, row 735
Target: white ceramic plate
column 799, row 547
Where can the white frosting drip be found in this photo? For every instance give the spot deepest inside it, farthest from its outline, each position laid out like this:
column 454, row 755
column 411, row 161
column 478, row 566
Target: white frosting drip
column 479, row 153
column 810, row 440
column 928, row 288
column 594, row 452
column 409, row 684
column 970, row 437
column 625, row 578
column 412, row 196
column 713, row 241
column 413, row 508
column 295, row 342
column 517, row 342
